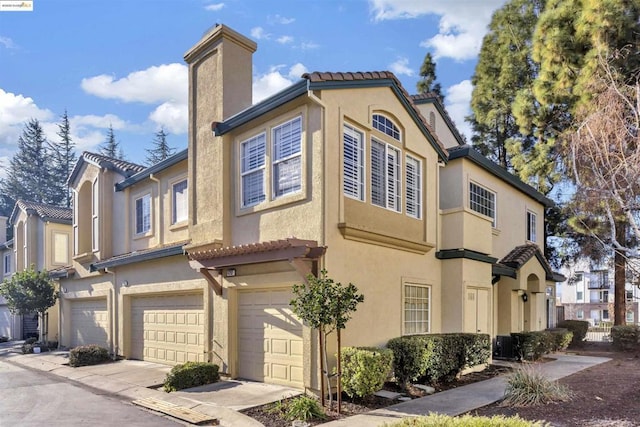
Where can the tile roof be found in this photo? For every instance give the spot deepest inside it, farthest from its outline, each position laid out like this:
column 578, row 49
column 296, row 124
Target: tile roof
column 120, row 166
column 252, row 248
column 435, row 99
column 44, row 211
column 317, row 77
column 520, row 255
column 147, row 172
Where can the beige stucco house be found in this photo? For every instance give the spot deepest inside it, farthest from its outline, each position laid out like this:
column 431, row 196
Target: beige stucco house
column 10, row 325
column 340, row 171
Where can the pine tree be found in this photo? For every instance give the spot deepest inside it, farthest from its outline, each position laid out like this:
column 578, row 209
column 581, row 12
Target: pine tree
column 427, row 83
column 111, row 147
column 160, row 149
column 64, row 158
column 29, row 174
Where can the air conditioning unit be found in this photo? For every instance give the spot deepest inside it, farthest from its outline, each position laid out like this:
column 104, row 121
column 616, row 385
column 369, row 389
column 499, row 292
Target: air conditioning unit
column 503, row 347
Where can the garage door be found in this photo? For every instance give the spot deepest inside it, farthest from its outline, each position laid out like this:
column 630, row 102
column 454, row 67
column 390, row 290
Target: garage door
column 269, row 338
column 5, row 322
column 168, row 329
column 89, row 323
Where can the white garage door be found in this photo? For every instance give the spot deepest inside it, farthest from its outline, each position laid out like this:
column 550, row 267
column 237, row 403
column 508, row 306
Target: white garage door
column 269, row 338
column 89, row 323
column 5, row 322
column 168, row 329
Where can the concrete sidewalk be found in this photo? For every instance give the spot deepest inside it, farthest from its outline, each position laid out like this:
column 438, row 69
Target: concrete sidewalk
column 463, row 399
column 132, row 379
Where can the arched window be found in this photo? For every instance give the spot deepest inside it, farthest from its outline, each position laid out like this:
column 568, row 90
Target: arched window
column 386, row 126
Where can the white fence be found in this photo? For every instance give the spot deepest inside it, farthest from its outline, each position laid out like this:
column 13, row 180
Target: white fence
column 599, row 333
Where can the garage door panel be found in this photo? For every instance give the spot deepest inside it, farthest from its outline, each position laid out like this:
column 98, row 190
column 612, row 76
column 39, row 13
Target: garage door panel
column 89, row 323
column 171, row 328
column 265, row 317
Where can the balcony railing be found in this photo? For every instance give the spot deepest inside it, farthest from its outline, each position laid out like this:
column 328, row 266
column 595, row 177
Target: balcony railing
column 599, row 284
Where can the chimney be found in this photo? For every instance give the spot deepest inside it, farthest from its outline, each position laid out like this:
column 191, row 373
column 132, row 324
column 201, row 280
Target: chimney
column 3, row 229
column 220, row 85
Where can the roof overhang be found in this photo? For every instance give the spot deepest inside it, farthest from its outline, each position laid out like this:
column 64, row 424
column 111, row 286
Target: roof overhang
column 139, row 256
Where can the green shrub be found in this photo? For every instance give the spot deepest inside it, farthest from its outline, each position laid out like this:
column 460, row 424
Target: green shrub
column 28, row 348
column 532, row 345
column 578, row 327
column 31, row 340
column 439, row 420
column 625, row 337
column 561, row 338
column 364, row 370
column 86, row 355
column 303, row 408
column 528, row 387
column 191, row 374
column 410, row 358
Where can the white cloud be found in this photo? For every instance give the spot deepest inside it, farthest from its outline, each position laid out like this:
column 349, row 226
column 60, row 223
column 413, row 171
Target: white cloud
column 167, row 82
column 258, row 33
column 278, row 19
column 7, row 43
column 274, row 81
column 172, row 117
column 458, row 100
column 15, row 110
column 214, row 7
column 285, row 39
column 401, row 67
column 309, row 45
column 463, row 23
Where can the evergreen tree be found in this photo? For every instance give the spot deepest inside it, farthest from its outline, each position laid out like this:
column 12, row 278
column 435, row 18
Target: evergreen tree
column 64, row 158
column 111, row 147
column 160, row 149
column 29, row 174
column 427, row 83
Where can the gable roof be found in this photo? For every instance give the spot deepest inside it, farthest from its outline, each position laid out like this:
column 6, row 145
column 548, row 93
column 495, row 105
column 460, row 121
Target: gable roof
column 46, row 212
column 145, row 173
column 433, row 98
column 520, row 255
column 335, row 80
column 120, row 166
column 468, row 152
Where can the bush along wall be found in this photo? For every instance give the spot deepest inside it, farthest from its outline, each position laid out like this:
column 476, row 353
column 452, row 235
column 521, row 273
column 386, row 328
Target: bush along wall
column 191, row 374
column 88, row 355
column 364, row 369
column 438, row 358
column 578, row 327
column 626, row 337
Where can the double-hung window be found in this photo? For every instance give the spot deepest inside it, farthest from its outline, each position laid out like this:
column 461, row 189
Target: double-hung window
column 385, row 176
column 180, row 210
column 482, row 201
column 413, row 185
column 531, row 227
column 353, row 163
column 416, row 309
column 143, row 214
column 252, row 170
column 287, row 158
column 95, row 224
column 7, row 263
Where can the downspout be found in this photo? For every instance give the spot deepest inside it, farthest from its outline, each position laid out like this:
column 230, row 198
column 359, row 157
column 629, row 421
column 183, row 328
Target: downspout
column 113, row 313
column 158, row 217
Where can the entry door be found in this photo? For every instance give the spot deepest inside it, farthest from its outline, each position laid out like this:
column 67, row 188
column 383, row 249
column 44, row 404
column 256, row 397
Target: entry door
column 477, row 313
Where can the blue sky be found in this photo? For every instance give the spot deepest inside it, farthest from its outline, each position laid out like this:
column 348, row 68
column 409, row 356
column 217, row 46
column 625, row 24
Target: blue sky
column 120, row 63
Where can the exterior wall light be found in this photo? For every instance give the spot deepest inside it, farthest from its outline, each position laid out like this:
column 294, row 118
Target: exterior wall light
column 525, row 297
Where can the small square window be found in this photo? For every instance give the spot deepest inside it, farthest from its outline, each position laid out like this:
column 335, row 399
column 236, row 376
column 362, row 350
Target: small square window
column 482, row 201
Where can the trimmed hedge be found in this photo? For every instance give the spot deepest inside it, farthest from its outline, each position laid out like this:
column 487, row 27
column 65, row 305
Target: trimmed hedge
column 625, row 337
column 439, row 420
column 191, row 374
column 578, row 327
column 437, row 358
column 86, row 355
column 561, row 338
column 364, row 369
column 532, row 345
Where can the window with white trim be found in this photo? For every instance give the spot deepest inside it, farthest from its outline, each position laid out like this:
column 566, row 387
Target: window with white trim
column 287, row 158
column 482, row 201
column 385, row 176
column 252, row 158
column 386, row 126
column 95, row 225
column 143, row 214
column 76, row 212
column 579, row 296
column 531, row 226
column 580, row 314
column 629, row 317
column 605, row 314
column 413, row 185
column 353, row 163
column 180, row 206
column 417, row 299
column 7, row 263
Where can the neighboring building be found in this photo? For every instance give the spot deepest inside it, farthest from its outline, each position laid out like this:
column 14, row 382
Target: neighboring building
column 194, row 258
column 42, row 239
column 589, row 294
column 10, row 325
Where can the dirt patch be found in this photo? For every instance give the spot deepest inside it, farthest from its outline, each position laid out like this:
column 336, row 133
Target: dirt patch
column 604, row 395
